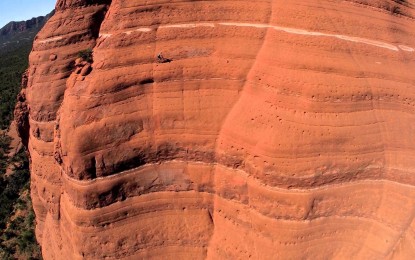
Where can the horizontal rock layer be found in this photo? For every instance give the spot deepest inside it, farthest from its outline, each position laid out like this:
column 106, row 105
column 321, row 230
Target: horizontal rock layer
column 276, row 130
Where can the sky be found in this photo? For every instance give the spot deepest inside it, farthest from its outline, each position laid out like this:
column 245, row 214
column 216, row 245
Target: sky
column 21, row 10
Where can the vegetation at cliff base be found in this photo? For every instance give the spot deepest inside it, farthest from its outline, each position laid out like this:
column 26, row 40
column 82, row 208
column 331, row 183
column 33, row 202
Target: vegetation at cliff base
column 17, row 219
column 17, row 237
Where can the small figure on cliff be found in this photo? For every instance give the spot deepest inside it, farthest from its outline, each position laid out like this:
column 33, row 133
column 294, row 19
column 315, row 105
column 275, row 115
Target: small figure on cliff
column 161, row 59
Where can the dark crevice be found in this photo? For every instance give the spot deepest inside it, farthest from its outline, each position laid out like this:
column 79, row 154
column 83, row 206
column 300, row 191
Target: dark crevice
column 97, row 20
column 147, row 81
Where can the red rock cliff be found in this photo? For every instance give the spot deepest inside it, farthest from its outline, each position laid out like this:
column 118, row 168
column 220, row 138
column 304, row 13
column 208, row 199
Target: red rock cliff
column 279, row 129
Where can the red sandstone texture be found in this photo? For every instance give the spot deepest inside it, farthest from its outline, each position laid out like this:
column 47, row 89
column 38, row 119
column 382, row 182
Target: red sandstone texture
column 278, row 130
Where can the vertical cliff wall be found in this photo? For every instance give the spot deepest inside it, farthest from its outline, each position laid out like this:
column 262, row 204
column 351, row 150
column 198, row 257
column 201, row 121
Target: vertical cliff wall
column 278, row 129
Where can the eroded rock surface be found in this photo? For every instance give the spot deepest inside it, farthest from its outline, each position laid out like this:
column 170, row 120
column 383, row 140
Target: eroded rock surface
column 279, row 129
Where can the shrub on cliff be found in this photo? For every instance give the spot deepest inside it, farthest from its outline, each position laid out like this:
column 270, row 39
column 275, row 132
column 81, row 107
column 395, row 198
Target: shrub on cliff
column 86, row 55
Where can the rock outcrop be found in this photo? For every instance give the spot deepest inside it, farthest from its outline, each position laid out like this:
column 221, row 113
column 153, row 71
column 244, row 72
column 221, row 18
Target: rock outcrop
column 279, row 129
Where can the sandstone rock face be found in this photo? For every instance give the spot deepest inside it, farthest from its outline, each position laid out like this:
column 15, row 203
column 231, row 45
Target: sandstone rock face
column 279, row 129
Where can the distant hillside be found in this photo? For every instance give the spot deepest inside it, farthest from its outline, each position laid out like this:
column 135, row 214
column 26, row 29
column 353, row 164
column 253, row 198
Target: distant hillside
column 21, row 33
column 12, row 27
column 16, row 39
column 17, row 239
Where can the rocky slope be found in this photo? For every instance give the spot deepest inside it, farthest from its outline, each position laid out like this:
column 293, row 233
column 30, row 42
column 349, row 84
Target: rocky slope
column 279, row 129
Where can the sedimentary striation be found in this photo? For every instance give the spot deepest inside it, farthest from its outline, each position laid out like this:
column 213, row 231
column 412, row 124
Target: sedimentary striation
column 278, row 129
